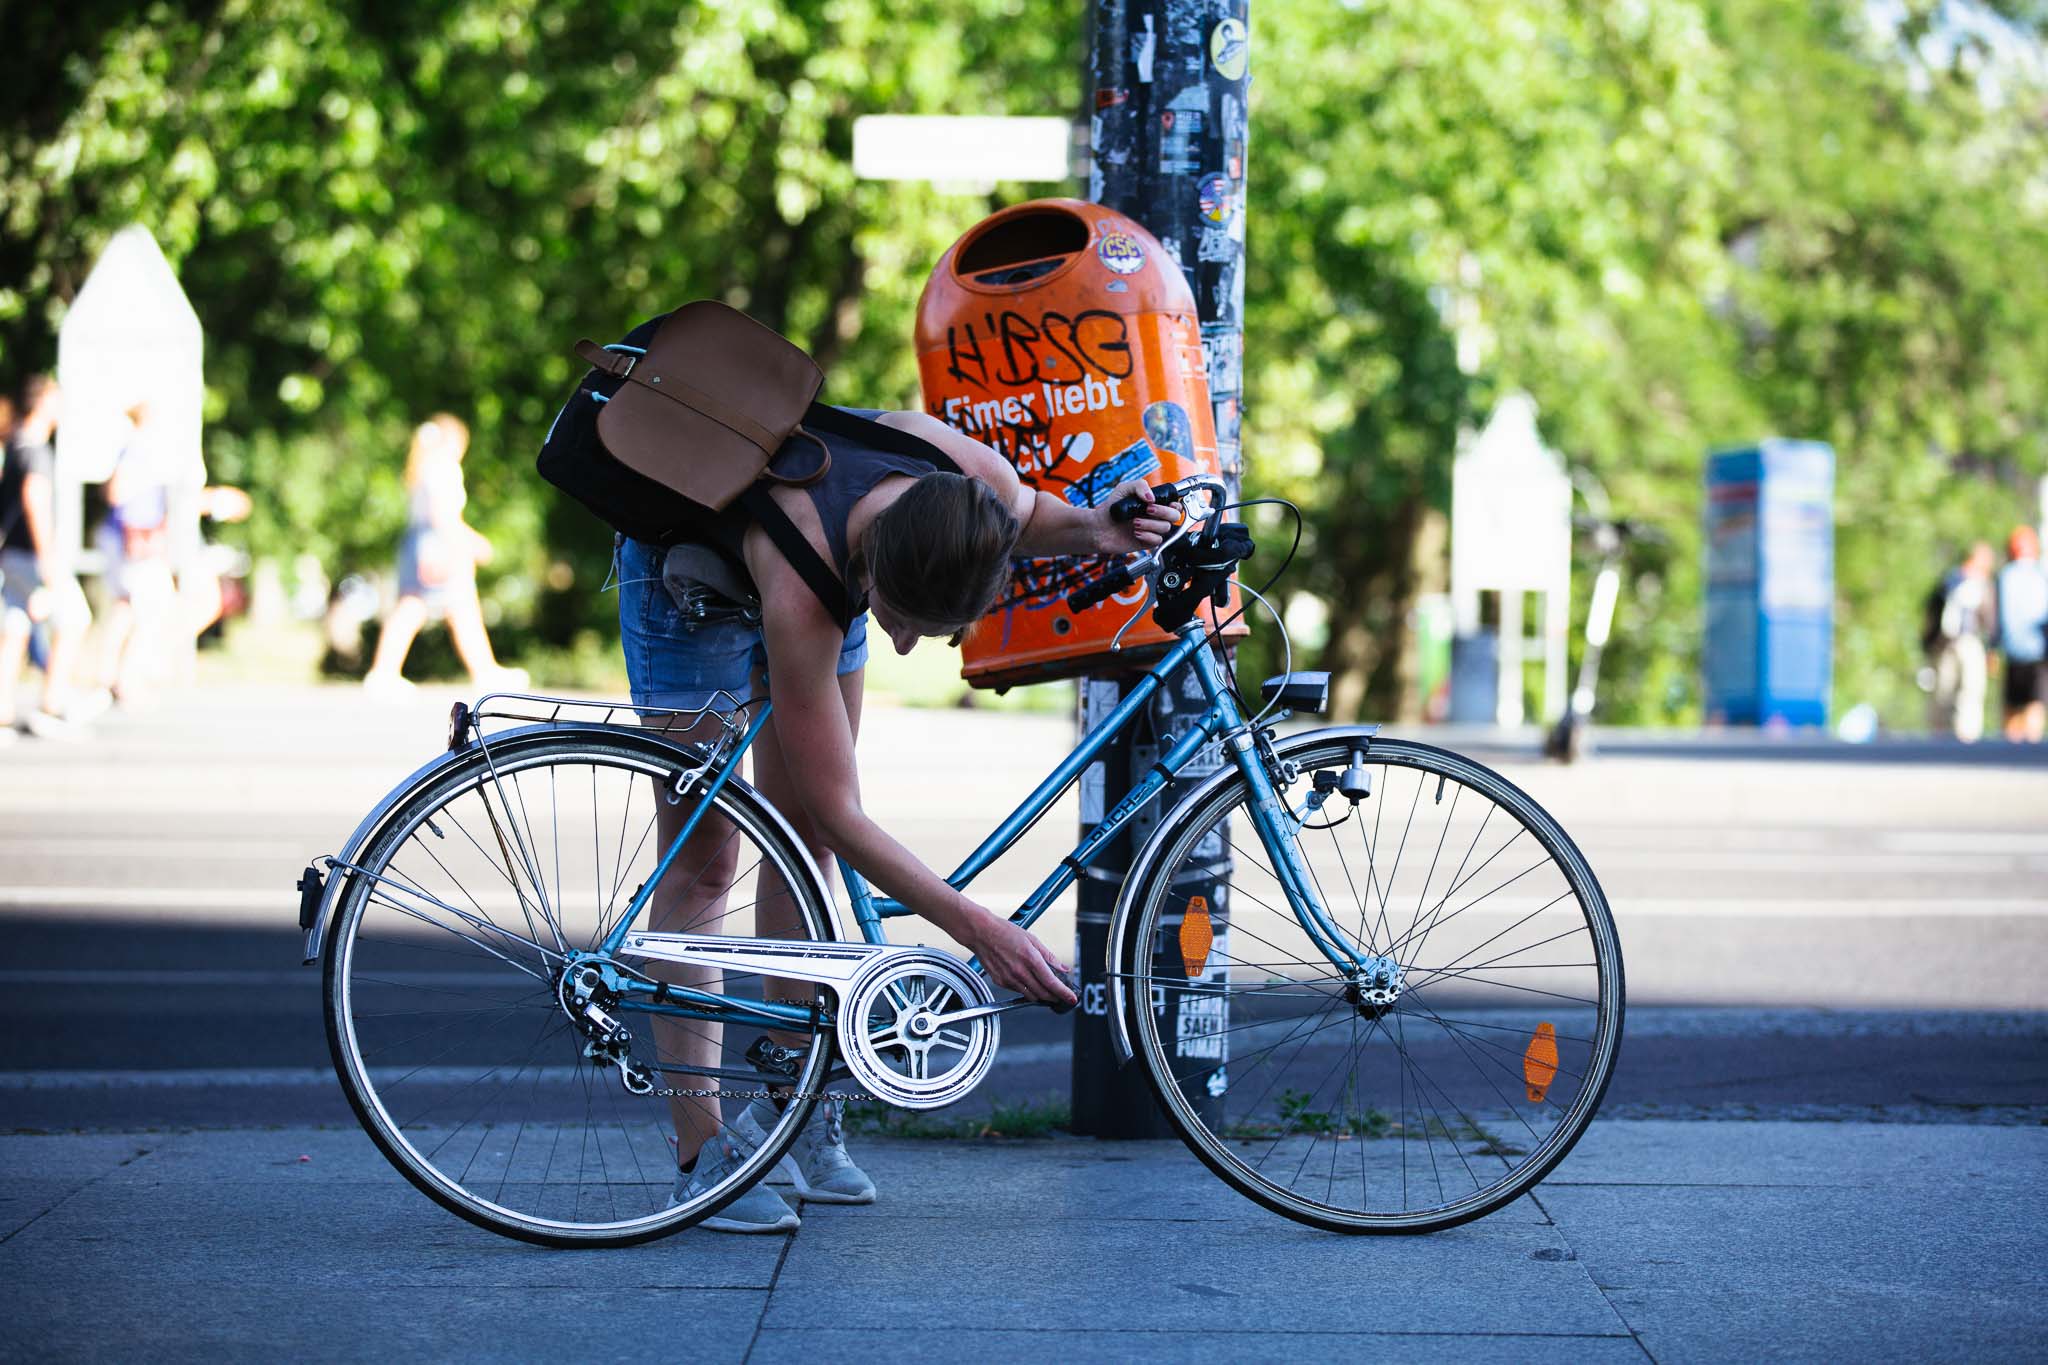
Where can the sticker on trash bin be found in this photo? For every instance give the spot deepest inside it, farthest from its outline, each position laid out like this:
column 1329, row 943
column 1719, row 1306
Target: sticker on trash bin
column 1134, row 461
column 1167, row 426
column 1120, row 252
column 1229, row 48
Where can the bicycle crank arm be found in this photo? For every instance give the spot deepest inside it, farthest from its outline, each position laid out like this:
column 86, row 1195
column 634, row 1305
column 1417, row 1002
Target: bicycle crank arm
column 983, row 1011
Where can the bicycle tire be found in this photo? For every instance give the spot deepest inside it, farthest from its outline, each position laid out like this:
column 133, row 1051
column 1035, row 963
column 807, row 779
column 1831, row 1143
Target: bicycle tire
column 1187, row 827
column 635, row 758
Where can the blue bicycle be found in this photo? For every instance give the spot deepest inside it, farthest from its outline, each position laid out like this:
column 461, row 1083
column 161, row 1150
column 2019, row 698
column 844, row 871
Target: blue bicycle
column 1373, row 985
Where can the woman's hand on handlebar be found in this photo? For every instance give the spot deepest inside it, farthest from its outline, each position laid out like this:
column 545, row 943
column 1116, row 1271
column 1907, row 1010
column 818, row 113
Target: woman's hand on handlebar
column 1017, row 961
column 1142, row 532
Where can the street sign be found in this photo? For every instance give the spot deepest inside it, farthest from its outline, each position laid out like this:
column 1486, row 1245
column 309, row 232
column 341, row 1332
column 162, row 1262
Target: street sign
column 971, row 150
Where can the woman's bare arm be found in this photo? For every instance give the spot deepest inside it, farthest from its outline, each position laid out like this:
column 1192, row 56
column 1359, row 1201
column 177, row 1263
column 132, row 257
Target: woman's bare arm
column 1048, row 525
column 810, row 720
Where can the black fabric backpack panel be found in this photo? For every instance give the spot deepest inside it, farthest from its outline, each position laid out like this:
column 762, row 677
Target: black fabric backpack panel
column 574, row 460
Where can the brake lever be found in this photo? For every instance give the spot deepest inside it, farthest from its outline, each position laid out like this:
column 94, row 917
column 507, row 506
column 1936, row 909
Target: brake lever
column 1116, row 641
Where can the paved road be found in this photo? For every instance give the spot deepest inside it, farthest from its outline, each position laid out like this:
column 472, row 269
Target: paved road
column 1656, row 1240
column 1853, row 936
column 1810, row 930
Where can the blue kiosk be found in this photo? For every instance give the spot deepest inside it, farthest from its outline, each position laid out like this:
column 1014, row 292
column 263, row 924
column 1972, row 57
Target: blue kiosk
column 1768, row 656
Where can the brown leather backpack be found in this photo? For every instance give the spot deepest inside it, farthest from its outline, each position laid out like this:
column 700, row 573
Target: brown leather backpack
column 704, row 410
column 668, row 438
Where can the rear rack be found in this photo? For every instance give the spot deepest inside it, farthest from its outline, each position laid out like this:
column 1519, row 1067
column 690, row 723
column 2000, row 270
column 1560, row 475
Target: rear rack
column 495, row 712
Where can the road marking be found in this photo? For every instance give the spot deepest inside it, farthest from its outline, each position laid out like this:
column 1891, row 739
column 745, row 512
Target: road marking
column 255, row 1077
column 1950, row 842
column 1736, row 907
column 285, row 1078
column 285, row 901
column 67, row 848
column 149, row 898
column 309, row 975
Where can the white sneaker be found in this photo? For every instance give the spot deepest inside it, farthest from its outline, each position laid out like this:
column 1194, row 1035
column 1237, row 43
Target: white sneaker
column 87, row 707
column 44, row 725
column 816, row 1163
column 760, row 1209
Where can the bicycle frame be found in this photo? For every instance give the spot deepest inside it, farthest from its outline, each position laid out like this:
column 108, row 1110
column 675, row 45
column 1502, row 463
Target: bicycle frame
column 1222, row 718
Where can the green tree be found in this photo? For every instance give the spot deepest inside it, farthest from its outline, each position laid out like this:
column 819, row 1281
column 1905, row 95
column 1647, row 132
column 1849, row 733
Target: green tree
column 1678, row 226
column 384, row 211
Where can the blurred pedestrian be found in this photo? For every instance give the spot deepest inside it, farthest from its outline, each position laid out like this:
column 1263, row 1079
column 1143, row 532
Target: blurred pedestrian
column 35, row 581
column 134, row 544
column 2023, row 635
column 1961, row 618
column 437, row 562
column 201, row 598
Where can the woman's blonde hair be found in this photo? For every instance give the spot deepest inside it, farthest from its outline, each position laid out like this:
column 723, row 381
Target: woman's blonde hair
column 443, row 433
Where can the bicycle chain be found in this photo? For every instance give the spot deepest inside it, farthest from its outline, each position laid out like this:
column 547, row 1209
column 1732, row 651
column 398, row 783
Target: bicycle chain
column 673, row 1093
column 762, row 1053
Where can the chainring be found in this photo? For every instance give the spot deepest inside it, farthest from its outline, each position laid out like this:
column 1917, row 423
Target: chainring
column 891, row 1043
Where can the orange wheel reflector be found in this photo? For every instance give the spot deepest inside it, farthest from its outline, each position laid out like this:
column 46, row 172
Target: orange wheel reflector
column 1539, row 1061
column 1196, row 937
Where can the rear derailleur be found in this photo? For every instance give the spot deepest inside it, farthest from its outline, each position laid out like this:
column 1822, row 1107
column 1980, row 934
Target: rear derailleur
column 589, row 1002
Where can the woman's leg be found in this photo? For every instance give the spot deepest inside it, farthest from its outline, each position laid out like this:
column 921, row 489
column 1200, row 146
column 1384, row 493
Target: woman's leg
column 774, row 779
column 395, row 641
column 691, row 899
column 466, row 624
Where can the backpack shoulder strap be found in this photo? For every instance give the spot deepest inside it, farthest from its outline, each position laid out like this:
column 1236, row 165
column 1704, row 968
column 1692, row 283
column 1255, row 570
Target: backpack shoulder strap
column 801, row 554
column 881, row 436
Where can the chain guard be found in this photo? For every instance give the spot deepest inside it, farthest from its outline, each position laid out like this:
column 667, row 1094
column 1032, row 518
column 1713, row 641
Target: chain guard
column 890, row 1044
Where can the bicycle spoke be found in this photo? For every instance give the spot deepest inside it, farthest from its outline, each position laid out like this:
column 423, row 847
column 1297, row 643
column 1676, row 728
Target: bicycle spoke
column 530, row 1128
column 1314, row 1068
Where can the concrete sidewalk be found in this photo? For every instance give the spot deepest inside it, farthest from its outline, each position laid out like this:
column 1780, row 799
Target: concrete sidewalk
column 1675, row 1241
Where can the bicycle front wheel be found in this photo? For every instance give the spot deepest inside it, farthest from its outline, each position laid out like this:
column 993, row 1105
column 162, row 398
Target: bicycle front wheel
column 445, row 1009
column 1434, row 1083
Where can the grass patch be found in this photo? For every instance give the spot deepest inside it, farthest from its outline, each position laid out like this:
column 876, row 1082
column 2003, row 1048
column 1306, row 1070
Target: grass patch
column 1297, row 1118
column 1006, row 1119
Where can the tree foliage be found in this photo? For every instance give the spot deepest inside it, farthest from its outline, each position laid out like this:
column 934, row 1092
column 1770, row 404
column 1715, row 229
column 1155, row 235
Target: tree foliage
column 384, row 211
column 1678, row 225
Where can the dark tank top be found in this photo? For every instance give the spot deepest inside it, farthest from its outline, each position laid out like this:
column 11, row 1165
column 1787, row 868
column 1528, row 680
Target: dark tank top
column 856, row 468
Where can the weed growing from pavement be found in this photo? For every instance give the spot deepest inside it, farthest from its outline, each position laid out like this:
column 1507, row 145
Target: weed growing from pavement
column 1296, row 1118
column 1019, row 1119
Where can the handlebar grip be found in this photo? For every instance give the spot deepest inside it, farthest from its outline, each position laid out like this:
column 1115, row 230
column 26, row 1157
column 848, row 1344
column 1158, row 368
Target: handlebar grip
column 1115, row 581
column 1127, row 508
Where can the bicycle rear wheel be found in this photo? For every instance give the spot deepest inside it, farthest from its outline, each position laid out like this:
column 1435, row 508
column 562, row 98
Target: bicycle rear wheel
column 1429, row 1090
column 443, row 985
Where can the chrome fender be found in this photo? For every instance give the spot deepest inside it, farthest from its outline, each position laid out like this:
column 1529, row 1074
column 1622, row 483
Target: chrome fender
column 1154, row 850
column 509, row 741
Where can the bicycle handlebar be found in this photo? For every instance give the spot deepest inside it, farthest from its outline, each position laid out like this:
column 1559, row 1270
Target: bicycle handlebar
column 1111, row 583
column 1127, row 508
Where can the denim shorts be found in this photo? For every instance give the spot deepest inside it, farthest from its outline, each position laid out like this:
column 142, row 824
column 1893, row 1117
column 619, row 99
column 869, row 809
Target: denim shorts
column 678, row 662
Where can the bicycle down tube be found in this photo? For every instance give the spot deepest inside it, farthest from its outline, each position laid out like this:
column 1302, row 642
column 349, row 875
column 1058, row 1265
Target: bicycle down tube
column 1274, row 822
column 1220, row 717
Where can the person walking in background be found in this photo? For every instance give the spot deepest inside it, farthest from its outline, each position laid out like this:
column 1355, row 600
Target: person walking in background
column 134, row 543
column 1960, row 619
column 201, row 599
column 437, row 562
column 2023, row 635
column 35, row 583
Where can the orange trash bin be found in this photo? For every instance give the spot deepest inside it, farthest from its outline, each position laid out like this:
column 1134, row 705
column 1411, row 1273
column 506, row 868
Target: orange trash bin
column 1063, row 335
